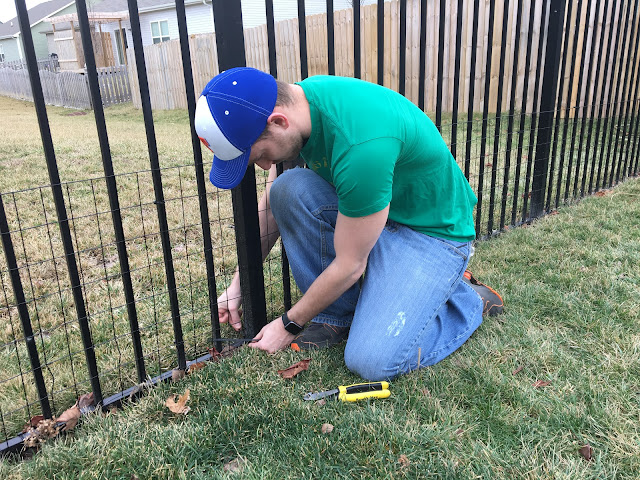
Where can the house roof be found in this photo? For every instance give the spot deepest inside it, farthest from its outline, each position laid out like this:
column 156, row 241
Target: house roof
column 36, row 14
column 108, row 11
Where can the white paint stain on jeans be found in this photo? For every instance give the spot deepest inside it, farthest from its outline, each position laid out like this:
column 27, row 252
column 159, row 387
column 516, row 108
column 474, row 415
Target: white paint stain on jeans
column 398, row 324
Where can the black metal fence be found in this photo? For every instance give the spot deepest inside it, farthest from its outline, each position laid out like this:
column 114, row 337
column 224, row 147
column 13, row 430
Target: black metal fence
column 111, row 282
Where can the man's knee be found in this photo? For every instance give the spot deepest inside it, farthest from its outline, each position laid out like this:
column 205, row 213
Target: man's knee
column 371, row 366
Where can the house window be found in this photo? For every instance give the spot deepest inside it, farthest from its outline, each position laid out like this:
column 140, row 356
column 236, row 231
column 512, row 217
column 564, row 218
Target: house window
column 160, row 31
column 1, row 53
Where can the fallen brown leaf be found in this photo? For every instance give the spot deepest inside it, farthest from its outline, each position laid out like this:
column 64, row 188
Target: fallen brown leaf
column 235, row 465
column 425, row 391
column 215, row 354
column 321, row 402
column 196, row 366
column 86, row 400
column 404, row 461
column 134, row 477
column 177, row 374
column 327, row 428
column 541, row 383
column 70, row 418
column 45, row 430
column 459, row 432
column 586, row 452
column 517, row 370
column 295, row 369
column 33, row 423
column 179, row 406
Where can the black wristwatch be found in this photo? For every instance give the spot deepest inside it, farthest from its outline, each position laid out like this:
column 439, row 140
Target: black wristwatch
column 290, row 326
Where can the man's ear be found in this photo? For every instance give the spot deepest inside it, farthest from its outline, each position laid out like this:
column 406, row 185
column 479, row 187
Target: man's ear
column 278, row 119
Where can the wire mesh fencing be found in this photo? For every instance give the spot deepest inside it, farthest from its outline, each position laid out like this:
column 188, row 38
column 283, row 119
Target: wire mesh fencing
column 109, row 280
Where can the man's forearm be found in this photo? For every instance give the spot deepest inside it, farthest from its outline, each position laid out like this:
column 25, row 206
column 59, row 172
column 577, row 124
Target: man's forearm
column 269, row 233
column 268, row 227
column 353, row 240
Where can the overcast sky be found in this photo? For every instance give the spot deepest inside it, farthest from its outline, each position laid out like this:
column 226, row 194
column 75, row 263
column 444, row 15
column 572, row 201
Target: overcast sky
column 8, row 8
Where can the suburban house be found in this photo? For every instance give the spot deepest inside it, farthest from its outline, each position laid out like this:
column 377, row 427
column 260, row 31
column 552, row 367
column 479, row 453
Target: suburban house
column 11, row 48
column 159, row 22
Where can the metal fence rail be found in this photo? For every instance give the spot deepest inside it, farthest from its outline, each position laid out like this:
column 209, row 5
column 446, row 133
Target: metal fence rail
column 111, row 280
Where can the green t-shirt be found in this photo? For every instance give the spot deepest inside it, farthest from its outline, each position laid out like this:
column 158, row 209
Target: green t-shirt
column 377, row 148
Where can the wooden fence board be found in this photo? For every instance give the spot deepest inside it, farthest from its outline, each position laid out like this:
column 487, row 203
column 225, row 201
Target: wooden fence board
column 166, row 81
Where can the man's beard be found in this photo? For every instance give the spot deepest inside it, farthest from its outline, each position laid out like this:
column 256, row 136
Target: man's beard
column 293, row 150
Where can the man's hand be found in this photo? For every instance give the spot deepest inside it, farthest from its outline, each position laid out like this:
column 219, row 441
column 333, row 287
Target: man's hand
column 273, row 337
column 229, row 306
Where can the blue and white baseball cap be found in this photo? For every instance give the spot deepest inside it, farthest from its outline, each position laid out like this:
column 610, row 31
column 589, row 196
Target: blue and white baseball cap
column 231, row 114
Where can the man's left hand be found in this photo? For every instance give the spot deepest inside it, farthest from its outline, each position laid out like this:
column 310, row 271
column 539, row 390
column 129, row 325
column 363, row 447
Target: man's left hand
column 273, row 337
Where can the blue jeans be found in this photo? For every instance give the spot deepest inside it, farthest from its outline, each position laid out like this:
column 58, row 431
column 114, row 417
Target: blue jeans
column 412, row 309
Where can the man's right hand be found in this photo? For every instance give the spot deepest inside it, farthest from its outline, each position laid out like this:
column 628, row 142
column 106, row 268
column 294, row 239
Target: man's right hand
column 229, row 304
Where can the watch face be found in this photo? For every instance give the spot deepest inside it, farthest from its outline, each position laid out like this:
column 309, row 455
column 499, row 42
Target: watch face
column 291, row 327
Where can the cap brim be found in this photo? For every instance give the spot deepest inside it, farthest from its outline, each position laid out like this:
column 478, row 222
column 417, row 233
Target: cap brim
column 229, row 173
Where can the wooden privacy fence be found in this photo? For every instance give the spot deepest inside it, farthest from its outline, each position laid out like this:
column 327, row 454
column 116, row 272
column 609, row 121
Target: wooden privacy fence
column 114, row 85
column 68, row 89
column 166, row 80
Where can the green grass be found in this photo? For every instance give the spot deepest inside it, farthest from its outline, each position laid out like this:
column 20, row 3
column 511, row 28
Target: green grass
column 570, row 283
column 571, row 287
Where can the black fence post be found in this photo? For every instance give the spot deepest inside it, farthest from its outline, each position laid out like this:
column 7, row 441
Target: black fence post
column 23, row 311
column 357, row 63
column 230, row 46
column 485, row 118
column 61, row 210
column 512, row 105
column 441, row 27
column 302, row 34
column 273, row 70
column 154, row 160
column 423, row 54
column 200, row 181
column 380, row 33
column 331, row 55
column 547, row 105
column 523, row 111
column 402, row 60
column 472, row 75
column 107, row 164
